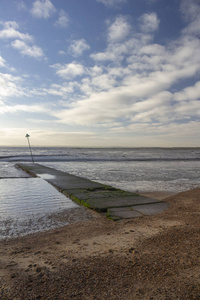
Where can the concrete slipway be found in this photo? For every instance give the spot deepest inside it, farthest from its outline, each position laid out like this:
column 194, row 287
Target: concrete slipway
column 116, row 203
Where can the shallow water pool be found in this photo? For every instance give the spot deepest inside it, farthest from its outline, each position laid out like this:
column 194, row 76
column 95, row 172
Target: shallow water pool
column 28, row 204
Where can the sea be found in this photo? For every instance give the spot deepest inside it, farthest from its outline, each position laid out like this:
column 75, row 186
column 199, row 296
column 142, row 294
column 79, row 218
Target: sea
column 29, row 205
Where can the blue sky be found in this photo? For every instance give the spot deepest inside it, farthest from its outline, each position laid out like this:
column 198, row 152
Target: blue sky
column 101, row 73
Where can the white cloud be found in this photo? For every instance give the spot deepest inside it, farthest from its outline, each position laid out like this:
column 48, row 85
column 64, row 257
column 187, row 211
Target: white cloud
column 149, row 22
column 135, row 86
column 77, row 47
column 61, row 52
column 186, row 55
column 2, row 62
column 63, row 20
column 157, row 100
column 42, row 9
column 112, row 3
column 188, row 110
column 162, row 131
column 190, row 9
column 103, row 82
column 194, row 27
column 69, row 71
column 22, row 108
column 13, row 86
column 20, row 40
column 96, row 70
column 191, row 13
column 21, row 5
column 119, row 30
column 142, row 91
column 61, row 90
column 103, row 56
column 189, row 93
column 153, row 49
column 10, row 86
column 116, row 52
column 103, row 107
column 10, row 32
column 32, row 51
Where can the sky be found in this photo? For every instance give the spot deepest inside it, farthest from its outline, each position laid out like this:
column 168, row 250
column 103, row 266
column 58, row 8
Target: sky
column 100, row 73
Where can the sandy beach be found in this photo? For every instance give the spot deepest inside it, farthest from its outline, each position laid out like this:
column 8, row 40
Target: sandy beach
column 155, row 257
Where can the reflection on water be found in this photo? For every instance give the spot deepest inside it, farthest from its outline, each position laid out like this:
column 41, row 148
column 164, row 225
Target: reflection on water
column 10, row 170
column 27, row 204
column 46, row 176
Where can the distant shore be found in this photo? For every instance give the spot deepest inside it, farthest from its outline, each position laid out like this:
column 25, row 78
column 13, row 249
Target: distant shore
column 147, row 257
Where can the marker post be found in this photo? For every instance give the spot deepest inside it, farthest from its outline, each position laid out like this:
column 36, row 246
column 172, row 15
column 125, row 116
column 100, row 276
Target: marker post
column 27, row 136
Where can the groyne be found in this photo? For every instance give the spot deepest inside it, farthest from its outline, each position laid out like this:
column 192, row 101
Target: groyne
column 115, row 203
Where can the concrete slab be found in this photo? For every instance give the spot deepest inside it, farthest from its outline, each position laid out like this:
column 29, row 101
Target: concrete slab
column 65, row 183
column 151, row 209
column 102, row 204
column 107, row 194
column 59, row 179
column 117, row 203
column 122, row 213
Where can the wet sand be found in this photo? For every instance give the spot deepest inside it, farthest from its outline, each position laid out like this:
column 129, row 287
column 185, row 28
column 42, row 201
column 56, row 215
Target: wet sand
column 155, row 257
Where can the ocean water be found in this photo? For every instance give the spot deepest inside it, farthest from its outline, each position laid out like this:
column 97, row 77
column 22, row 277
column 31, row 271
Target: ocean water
column 141, row 170
column 134, row 169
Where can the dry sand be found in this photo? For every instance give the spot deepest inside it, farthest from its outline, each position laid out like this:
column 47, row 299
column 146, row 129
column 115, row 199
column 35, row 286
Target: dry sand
column 145, row 258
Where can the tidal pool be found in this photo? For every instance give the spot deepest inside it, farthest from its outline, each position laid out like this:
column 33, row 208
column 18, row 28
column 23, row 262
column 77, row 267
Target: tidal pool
column 28, row 205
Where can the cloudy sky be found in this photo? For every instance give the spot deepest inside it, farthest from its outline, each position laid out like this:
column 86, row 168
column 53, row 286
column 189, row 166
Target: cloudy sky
column 100, row 72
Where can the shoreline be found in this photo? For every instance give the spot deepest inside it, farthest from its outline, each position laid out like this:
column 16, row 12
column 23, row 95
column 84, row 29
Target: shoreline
column 66, row 217
column 155, row 256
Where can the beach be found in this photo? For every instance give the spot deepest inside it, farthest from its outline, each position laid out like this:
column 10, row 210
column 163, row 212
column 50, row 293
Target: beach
column 153, row 257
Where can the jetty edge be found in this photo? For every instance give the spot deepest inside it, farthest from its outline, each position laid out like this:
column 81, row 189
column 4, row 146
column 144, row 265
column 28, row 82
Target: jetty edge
column 117, row 204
